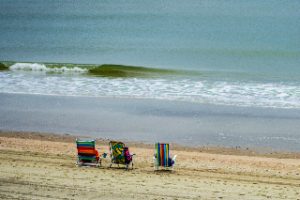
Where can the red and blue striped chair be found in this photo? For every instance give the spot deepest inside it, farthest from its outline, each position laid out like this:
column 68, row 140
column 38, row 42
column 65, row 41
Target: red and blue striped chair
column 87, row 153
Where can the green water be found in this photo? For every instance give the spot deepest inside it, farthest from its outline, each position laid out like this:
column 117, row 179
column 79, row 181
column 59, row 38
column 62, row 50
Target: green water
column 252, row 38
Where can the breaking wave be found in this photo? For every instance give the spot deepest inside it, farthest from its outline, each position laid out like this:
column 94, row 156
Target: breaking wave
column 105, row 70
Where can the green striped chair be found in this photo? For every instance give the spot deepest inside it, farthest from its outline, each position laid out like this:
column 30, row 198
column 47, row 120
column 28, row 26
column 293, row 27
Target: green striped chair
column 87, row 153
column 162, row 159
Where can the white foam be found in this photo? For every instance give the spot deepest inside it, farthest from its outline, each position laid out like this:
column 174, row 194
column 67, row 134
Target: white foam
column 28, row 67
column 261, row 94
column 44, row 68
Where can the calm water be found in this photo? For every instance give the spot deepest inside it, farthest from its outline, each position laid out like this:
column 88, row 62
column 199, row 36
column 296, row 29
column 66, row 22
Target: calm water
column 254, row 37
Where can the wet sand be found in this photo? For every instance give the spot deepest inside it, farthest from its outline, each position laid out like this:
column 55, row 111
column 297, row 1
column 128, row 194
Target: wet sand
column 189, row 124
column 42, row 166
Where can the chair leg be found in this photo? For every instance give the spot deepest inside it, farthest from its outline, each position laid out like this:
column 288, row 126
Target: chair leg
column 79, row 163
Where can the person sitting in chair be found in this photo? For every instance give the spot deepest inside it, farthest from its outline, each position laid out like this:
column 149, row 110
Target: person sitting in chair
column 128, row 157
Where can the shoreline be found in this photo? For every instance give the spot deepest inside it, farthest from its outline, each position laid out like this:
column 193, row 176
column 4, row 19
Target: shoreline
column 238, row 151
column 37, row 166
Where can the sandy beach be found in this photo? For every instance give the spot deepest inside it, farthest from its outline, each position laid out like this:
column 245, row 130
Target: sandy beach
column 42, row 166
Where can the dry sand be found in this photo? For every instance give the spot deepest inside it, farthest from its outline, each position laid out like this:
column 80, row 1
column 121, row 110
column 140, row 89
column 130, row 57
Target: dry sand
column 42, row 166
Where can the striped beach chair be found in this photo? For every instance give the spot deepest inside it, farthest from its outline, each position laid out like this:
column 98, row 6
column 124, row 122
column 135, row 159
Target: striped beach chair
column 162, row 159
column 87, row 153
column 119, row 154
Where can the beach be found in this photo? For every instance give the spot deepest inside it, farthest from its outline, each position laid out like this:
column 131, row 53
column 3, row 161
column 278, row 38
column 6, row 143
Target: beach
column 43, row 166
column 223, row 152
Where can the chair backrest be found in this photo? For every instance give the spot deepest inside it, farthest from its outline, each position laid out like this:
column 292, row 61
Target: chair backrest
column 116, row 152
column 85, row 146
column 162, row 154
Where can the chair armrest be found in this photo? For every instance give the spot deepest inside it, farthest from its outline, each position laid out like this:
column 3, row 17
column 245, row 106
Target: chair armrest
column 174, row 158
column 154, row 160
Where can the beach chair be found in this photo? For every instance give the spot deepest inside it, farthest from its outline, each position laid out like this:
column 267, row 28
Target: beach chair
column 162, row 159
column 120, row 154
column 87, row 153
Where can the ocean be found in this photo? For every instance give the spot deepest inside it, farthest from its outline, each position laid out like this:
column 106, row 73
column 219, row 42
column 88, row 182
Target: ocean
column 259, row 38
column 232, row 53
column 246, row 52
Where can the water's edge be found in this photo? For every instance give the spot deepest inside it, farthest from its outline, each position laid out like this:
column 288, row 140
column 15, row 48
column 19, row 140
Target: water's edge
column 153, row 120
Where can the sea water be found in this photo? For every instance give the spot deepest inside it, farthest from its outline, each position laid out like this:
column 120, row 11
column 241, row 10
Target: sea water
column 246, row 52
column 237, row 53
column 237, row 36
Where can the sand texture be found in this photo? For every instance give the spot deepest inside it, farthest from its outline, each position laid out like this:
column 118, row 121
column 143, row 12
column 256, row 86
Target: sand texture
column 36, row 166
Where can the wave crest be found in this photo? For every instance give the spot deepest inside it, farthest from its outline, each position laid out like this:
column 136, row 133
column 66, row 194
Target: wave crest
column 44, row 68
